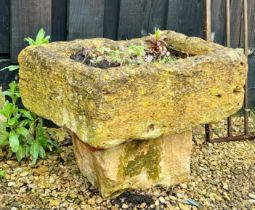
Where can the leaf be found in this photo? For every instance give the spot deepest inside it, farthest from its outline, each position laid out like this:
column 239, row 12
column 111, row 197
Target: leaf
column 10, row 68
column 12, row 92
column 42, row 153
column 52, row 145
column 4, row 136
column 26, row 113
column 24, row 123
column 14, row 120
column 29, row 40
column 14, row 141
column 27, row 150
column 8, row 109
column 22, row 131
column 34, row 151
column 2, row 173
column 157, row 33
column 40, row 35
column 20, row 154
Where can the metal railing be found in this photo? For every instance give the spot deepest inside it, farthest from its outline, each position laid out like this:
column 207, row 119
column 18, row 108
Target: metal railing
column 247, row 135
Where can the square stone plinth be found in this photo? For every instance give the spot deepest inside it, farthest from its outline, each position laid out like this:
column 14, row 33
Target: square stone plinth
column 137, row 164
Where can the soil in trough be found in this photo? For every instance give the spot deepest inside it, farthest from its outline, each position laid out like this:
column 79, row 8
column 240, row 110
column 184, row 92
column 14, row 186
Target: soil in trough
column 132, row 55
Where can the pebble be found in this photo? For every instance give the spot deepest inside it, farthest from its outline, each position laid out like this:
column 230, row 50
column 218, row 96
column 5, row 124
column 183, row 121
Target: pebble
column 41, row 170
column 184, row 207
column 99, row 200
column 173, row 198
column 10, row 184
column 92, row 201
column 57, row 182
column 251, row 195
column 225, row 186
column 54, row 202
column 162, row 200
column 179, row 195
column 157, row 202
column 184, row 186
column 25, row 173
column 143, row 205
column 124, row 206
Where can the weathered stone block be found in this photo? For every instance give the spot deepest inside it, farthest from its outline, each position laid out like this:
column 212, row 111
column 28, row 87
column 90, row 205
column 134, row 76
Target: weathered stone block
column 106, row 107
column 136, row 164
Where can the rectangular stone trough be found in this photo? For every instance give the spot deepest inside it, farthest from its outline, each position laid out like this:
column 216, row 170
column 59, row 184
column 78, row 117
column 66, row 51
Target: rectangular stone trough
column 110, row 110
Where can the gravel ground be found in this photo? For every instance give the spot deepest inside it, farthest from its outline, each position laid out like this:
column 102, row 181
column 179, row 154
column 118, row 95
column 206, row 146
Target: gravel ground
column 222, row 177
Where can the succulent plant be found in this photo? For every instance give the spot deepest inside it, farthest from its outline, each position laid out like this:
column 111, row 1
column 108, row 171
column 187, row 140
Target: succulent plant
column 157, row 44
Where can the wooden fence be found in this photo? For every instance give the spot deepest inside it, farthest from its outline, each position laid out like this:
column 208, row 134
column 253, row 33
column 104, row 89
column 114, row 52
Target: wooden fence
column 115, row 19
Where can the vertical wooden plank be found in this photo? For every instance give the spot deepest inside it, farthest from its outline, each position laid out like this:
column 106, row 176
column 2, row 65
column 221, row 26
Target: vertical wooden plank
column 236, row 22
column 85, row 19
column 227, row 22
column 251, row 21
column 4, row 26
column 218, row 21
column 140, row 17
column 111, row 18
column 133, row 18
column 27, row 17
column 157, row 15
column 186, row 17
column 251, row 81
column 207, row 20
column 59, row 20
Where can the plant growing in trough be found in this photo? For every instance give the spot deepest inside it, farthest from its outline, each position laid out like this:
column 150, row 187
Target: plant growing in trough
column 155, row 49
column 40, row 39
column 157, row 44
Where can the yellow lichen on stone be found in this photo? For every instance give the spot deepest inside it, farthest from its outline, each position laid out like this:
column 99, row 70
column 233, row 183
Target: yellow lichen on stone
column 106, row 107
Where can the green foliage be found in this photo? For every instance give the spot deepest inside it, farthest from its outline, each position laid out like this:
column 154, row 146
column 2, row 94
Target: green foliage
column 157, row 34
column 132, row 55
column 2, row 173
column 11, row 68
column 40, row 39
column 157, row 44
column 21, row 131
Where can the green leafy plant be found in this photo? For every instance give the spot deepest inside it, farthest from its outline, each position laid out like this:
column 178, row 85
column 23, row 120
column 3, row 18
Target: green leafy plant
column 40, row 39
column 2, row 173
column 132, row 55
column 11, row 68
column 21, row 131
column 155, row 49
column 157, row 44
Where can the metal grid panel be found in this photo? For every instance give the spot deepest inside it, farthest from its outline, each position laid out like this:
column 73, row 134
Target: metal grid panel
column 208, row 127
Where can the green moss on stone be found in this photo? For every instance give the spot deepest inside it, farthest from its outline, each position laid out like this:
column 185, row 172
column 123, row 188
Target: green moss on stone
column 136, row 160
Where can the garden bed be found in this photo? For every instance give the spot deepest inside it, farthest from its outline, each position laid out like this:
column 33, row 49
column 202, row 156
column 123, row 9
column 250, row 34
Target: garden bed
column 222, row 176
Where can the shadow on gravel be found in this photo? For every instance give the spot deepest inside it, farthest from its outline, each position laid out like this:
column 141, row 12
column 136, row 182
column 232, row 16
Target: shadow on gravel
column 133, row 198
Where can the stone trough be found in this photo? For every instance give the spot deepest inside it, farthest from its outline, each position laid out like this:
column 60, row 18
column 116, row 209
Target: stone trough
column 132, row 125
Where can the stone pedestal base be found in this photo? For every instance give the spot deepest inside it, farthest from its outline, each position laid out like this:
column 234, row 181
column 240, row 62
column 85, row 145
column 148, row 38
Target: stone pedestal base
column 136, row 164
